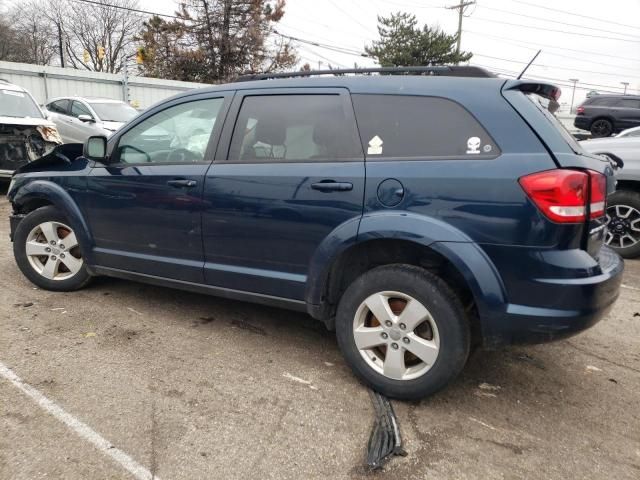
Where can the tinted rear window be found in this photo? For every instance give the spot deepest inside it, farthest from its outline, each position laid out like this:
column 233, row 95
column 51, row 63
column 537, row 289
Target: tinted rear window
column 420, row 127
column 604, row 102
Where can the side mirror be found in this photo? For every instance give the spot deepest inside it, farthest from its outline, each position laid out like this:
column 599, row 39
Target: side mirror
column 95, row 148
column 86, row 118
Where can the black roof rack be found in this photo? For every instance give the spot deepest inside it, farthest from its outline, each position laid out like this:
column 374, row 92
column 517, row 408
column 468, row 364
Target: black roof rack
column 440, row 70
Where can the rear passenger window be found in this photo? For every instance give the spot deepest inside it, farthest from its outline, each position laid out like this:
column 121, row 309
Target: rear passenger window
column 420, row 127
column 294, row 128
column 60, row 106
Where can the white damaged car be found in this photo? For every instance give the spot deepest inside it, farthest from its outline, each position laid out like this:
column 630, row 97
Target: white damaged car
column 25, row 133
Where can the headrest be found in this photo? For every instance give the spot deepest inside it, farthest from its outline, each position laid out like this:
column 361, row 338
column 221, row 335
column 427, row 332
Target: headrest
column 271, row 131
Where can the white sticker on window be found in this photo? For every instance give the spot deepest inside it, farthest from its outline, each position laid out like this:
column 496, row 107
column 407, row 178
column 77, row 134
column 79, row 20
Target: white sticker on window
column 473, row 145
column 487, row 148
column 375, row 146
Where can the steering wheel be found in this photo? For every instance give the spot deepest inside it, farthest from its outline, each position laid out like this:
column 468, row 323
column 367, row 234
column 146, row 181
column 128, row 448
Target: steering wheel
column 181, row 155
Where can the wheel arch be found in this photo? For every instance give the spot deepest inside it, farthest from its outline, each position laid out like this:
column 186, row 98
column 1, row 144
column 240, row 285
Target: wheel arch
column 40, row 193
column 404, row 238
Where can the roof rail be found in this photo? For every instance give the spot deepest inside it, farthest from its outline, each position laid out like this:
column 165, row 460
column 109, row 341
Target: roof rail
column 439, row 70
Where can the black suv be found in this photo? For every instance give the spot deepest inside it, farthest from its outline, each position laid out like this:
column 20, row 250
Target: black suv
column 604, row 115
column 413, row 215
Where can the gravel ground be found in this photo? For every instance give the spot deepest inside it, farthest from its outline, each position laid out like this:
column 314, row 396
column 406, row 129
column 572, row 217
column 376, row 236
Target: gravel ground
column 196, row 387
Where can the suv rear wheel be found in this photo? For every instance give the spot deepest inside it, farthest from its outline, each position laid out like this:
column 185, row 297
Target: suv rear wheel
column 623, row 215
column 403, row 331
column 601, row 127
column 47, row 251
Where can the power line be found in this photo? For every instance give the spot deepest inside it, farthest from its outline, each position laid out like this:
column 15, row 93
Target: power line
column 615, row 74
column 554, row 30
column 574, row 14
column 129, row 9
column 546, row 52
column 350, row 16
column 558, row 22
column 334, row 48
column 556, row 47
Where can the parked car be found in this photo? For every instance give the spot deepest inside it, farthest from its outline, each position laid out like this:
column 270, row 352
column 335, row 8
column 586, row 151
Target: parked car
column 25, row 133
column 623, row 210
column 629, row 132
column 78, row 118
column 604, row 115
column 479, row 221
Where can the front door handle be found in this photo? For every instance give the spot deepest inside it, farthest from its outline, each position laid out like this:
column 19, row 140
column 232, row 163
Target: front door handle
column 331, row 186
column 182, row 182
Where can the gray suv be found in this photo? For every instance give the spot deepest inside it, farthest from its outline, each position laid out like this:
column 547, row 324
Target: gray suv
column 604, row 115
column 78, row 118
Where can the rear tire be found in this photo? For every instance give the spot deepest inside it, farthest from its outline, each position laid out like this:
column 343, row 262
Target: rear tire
column 47, row 251
column 623, row 213
column 601, row 127
column 421, row 341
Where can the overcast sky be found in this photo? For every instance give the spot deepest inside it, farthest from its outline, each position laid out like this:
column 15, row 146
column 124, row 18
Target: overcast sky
column 598, row 63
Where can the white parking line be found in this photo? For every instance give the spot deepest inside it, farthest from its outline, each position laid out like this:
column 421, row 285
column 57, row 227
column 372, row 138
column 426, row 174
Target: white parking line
column 81, row 428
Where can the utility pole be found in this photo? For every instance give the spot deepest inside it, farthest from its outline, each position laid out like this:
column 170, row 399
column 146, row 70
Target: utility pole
column 461, row 7
column 60, row 45
column 573, row 95
column 626, row 84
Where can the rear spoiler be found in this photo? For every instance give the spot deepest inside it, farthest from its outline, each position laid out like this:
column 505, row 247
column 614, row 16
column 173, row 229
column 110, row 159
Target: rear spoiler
column 545, row 90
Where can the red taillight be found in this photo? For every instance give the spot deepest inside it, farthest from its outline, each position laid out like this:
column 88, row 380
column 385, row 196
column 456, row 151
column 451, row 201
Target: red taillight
column 563, row 195
column 598, row 195
column 580, row 110
column 560, row 194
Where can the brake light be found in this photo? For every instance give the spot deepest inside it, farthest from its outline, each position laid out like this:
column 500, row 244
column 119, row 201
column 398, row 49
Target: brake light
column 580, row 110
column 560, row 194
column 598, row 202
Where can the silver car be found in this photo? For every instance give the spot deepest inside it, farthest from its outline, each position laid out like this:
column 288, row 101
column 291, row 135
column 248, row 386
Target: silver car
column 78, row 118
column 624, row 205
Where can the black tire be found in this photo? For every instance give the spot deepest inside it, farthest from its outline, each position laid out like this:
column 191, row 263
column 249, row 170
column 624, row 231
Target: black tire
column 31, row 221
column 601, row 127
column 447, row 313
column 627, row 198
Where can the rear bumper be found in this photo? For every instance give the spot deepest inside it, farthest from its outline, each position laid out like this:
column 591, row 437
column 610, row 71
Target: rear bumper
column 581, row 122
column 563, row 306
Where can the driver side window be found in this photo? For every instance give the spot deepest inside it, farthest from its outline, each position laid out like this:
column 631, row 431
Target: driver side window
column 178, row 134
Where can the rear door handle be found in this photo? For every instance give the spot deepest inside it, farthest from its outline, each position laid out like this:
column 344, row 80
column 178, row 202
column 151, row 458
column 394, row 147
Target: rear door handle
column 331, row 186
column 182, row 182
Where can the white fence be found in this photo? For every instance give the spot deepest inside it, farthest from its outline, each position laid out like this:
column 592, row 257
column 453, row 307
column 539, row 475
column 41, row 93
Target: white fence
column 45, row 82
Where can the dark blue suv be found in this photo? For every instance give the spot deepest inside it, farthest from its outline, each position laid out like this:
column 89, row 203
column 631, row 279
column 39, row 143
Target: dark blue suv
column 415, row 215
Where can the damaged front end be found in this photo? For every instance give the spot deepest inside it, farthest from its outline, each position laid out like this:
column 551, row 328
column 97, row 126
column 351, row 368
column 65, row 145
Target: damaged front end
column 22, row 143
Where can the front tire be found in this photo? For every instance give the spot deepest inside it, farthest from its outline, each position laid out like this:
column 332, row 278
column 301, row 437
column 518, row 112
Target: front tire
column 623, row 215
column 403, row 331
column 48, row 253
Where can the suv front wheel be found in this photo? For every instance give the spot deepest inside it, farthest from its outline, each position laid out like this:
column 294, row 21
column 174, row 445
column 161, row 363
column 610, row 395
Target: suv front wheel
column 403, row 331
column 47, row 251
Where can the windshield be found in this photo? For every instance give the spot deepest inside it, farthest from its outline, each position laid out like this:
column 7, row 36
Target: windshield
column 18, row 104
column 113, row 111
column 544, row 105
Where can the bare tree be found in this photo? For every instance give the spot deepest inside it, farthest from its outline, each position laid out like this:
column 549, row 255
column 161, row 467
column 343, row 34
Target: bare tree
column 89, row 26
column 25, row 35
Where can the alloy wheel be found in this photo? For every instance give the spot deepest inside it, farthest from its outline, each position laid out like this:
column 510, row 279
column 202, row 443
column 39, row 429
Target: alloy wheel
column 52, row 250
column 601, row 128
column 396, row 335
column 623, row 224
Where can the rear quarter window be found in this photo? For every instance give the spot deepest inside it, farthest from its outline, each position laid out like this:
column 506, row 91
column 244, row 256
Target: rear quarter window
column 414, row 127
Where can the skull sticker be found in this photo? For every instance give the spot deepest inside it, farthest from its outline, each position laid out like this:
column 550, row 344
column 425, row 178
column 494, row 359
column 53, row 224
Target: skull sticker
column 473, row 145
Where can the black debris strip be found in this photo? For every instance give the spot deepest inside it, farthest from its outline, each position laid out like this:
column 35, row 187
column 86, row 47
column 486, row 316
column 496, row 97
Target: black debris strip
column 385, row 439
